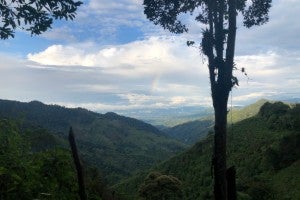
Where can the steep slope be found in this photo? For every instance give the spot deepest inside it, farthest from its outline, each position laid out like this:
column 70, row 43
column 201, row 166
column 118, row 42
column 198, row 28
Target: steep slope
column 190, row 132
column 33, row 165
column 118, row 146
column 264, row 149
column 239, row 114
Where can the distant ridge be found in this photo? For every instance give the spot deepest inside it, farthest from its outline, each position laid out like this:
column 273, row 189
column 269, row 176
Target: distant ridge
column 239, row 114
column 192, row 131
column 119, row 146
column 263, row 149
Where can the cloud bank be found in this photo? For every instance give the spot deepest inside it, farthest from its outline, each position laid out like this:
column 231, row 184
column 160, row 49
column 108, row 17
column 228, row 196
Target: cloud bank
column 88, row 65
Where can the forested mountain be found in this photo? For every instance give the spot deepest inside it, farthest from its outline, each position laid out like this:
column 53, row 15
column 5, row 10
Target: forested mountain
column 118, row 146
column 30, row 173
column 192, row 131
column 239, row 114
column 35, row 162
column 34, row 165
column 264, row 149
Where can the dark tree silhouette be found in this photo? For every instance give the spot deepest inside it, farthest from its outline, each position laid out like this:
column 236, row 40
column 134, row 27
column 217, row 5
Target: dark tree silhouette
column 159, row 186
column 78, row 165
column 35, row 16
column 218, row 44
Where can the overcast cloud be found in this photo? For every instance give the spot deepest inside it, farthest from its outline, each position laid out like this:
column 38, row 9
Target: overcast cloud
column 88, row 65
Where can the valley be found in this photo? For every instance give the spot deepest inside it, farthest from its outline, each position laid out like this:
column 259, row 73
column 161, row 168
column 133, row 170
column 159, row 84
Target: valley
column 118, row 152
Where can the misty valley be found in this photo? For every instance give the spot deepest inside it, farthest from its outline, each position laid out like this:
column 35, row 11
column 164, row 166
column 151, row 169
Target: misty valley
column 126, row 158
column 149, row 100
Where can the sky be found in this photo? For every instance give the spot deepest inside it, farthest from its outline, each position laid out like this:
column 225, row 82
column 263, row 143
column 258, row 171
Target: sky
column 112, row 58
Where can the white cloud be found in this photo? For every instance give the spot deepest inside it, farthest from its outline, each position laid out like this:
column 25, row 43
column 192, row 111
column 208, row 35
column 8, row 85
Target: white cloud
column 97, row 88
column 178, row 100
column 153, row 70
column 253, row 96
column 163, row 71
column 154, row 55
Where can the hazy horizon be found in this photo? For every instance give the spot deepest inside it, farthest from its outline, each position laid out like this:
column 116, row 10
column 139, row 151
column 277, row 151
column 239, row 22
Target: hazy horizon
column 112, row 58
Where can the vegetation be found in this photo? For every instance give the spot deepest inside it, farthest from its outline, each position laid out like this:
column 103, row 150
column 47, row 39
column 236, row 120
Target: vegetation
column 118, row 146
column 218, row 44
column 265, row 155
column 158, row 186
column 239, row 114
column 37, row 164
column 35, row 17
column 190, row 132
column 27, row 174
column 30, row 172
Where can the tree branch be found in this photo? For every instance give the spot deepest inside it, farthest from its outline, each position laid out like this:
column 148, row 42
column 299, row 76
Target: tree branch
column 230, row 41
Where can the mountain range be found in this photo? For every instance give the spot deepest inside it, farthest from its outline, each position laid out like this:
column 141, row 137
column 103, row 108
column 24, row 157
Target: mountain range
column 118, row 146
column 263, row 141
column 264, row 149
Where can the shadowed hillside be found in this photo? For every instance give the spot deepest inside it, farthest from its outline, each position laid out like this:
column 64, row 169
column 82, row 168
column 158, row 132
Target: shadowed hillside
column 191, row 132
column 118, row 146
column 264, row 149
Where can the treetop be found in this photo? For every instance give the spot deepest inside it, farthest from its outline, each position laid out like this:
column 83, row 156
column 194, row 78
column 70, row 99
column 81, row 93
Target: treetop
column 34, row 16
column 166, row 12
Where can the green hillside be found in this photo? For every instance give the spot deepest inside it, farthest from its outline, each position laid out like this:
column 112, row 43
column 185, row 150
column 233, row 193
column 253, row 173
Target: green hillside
column 239, row 114
column 118, row 146
column 31, row 168
column 190, row 132
column 28, row 173
column 264, row 149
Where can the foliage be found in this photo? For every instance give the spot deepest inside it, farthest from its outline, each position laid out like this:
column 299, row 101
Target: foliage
column 250, row 142
column 239, row 114
column 280, row 115
column 285, row 153
column 165, row 13
column 13, row 162
column 118, row 146
column 190, row 132
column 218, row 44
column 158, row 186
column 33, row 16
column 28, row 175
column 46, row 174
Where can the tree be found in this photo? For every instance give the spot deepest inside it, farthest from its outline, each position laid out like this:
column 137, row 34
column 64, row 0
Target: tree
column 35, row 16
column 159, row 186
column 218, row 44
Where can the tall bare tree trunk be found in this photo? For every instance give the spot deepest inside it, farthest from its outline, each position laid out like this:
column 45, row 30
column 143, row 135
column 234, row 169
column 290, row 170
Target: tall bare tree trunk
column 231, row 183
column 220, row 93
column 78, row 166
column 220, row 99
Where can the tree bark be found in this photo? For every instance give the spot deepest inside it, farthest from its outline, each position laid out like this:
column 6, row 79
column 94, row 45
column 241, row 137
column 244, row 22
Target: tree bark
column 78, row 166
column 220, row 93
column 220, row 98
column 231, row 183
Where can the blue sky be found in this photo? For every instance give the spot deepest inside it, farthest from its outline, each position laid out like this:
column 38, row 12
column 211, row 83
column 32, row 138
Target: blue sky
column 112, row 58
